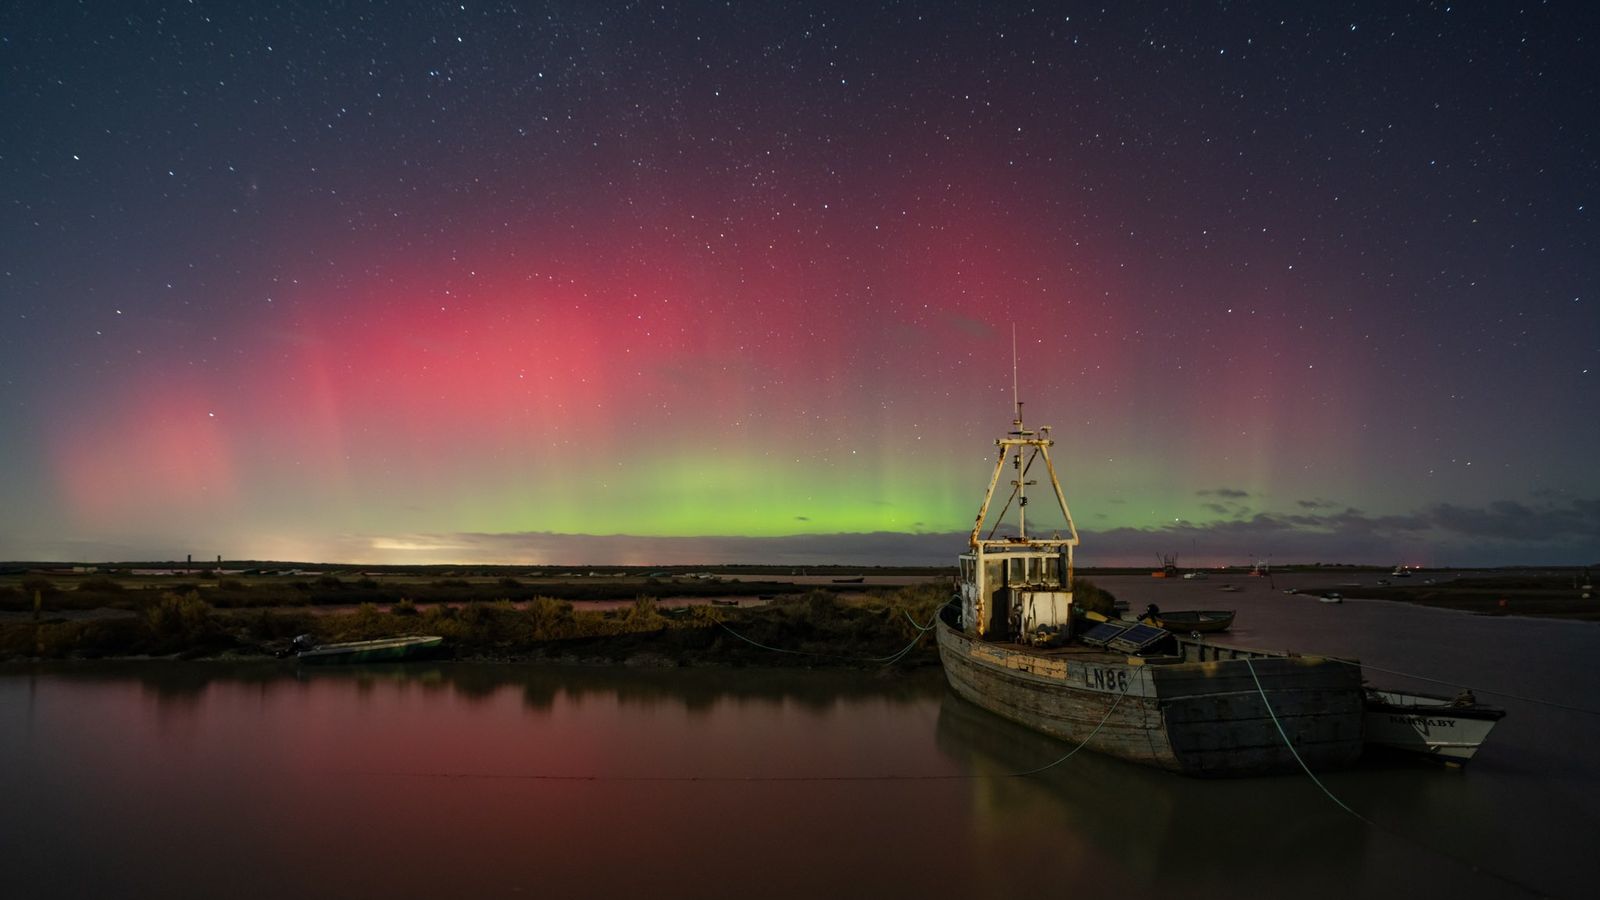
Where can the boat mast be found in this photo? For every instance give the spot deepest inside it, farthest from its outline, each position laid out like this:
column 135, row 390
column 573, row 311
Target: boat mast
column 1016, row 430
column 1012, row 445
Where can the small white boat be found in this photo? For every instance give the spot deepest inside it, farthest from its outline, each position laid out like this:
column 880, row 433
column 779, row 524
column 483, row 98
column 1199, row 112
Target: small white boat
column 1331, row 597
column 381, row 650
column 1450, row 729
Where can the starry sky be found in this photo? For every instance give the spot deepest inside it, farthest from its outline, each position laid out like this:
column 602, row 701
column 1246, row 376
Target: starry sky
column 707, row 282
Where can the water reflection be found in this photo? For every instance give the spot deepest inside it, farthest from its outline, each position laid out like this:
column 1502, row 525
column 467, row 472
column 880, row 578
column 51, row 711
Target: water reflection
column 183, row 685
column 1137, row 825
column 449, row 778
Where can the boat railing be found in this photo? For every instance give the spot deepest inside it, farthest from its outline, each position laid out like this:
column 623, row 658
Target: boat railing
column 1196, row 650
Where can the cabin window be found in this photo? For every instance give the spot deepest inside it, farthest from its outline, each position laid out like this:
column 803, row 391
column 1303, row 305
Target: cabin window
column 966, row 569
column 1015, row 570
column 1052, row 570
column 993, row 573
column 1035, row 570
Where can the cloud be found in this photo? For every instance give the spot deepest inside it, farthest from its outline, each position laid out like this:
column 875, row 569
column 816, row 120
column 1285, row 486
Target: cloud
column 1315, row 504
column 1227, row 502
column 1500, row 533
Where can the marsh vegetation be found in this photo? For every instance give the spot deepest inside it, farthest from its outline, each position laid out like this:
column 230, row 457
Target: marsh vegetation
column 814, row 627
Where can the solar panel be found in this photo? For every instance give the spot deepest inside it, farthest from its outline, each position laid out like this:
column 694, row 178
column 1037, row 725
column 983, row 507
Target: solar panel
column 1101, row 634
column 1137, row 638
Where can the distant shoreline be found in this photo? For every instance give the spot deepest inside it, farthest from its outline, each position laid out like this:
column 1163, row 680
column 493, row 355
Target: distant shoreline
column 659, row 617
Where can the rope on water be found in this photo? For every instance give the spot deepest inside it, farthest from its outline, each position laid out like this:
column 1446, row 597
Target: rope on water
column 1290, row 744
column 1475, row 867
column 1081, row 744
column 1508, row 696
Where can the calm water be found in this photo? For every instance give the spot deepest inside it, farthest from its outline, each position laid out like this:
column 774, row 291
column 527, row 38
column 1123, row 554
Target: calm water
column 208, row 780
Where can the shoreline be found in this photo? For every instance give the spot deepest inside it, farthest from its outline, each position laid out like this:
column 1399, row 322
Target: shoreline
column 723, row 623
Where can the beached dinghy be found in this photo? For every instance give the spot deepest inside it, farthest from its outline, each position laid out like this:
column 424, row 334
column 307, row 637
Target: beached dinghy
column 381, row 650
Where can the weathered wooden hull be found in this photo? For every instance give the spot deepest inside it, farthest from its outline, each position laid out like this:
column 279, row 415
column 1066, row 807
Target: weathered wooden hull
column 1204, row 718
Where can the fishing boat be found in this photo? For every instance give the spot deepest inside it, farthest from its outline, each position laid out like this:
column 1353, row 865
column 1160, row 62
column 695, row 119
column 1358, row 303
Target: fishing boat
column 1013, row 641
column 381, row 650
column 1194, row 621
column 1449, row 729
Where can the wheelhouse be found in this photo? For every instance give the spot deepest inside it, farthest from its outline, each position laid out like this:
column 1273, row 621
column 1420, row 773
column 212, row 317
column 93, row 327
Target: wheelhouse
column 1017, row 587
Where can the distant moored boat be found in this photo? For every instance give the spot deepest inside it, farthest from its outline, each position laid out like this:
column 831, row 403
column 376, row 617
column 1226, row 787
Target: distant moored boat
column 1191, row 621
column 380, row 650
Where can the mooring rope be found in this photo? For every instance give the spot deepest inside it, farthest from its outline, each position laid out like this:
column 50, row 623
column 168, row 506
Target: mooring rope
column 1505, row 694
column 887, row 660
column 1473, row 866
column 1081, row 744
column 891, row 659
column 1290, row 744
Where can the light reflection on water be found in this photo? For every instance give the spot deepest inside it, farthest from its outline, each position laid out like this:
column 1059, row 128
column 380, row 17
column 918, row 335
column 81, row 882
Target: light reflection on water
column 189, row 779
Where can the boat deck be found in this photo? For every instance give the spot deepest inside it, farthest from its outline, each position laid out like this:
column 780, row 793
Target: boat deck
column 1189, row 650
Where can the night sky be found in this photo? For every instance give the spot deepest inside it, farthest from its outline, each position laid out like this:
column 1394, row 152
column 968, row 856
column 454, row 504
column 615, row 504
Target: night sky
column 650, row 283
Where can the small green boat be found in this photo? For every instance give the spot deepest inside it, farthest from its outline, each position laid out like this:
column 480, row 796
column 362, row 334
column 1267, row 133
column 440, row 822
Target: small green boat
column 1197, row 621
column 382, row 650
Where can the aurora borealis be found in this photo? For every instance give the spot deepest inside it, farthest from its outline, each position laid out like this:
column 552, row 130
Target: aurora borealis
column 462, row 282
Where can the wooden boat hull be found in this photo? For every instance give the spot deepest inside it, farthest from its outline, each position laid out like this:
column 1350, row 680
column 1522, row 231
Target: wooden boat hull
column 1426, row 725
column 381, row 650
column 1203, row 718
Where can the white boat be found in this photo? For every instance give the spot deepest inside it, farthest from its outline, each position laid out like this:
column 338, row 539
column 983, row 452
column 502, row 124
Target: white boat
column 1450, row 729
column 391, row 649
column 1331, row 597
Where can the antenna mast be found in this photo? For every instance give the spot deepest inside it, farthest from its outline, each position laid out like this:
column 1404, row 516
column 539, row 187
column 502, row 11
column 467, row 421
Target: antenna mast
column 1038, row 444
column 1016, row 398
column 1021, row 483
